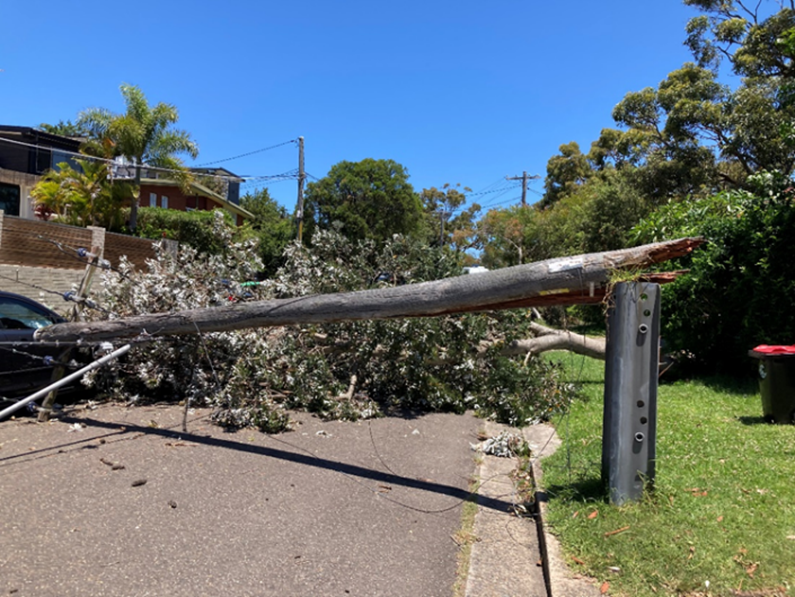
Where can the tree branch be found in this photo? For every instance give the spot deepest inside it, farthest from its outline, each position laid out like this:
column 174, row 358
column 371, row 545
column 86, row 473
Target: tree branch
column 550, row 339
column 751, row 13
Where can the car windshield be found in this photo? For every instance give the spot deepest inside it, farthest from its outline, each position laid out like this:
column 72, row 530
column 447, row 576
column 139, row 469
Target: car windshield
column 17, row 315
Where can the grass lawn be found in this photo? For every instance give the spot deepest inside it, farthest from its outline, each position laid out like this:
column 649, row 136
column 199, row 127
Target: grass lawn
column 721, row 518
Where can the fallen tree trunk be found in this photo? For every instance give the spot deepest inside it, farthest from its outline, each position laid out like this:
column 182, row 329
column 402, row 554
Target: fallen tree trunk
column 573, row 279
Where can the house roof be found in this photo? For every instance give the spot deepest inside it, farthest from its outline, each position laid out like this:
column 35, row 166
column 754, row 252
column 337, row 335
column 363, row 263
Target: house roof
column 40, row 137
column 201, row 191
column 219, row 172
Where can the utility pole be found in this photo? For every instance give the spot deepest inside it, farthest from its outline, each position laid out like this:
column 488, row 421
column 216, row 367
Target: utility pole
column 301, row 178
column 524, row 178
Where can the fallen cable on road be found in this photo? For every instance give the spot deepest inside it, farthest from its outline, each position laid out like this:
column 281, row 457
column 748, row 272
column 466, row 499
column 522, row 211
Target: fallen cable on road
column 76, row 375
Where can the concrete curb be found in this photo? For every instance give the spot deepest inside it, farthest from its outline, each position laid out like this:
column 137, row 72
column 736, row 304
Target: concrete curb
column 517, row 556
column 505, row 560
column 562, row 582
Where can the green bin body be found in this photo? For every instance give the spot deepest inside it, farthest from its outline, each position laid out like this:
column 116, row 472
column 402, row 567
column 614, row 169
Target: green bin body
column 777, row 386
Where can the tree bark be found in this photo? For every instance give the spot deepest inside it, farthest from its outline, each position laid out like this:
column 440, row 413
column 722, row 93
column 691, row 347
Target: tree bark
column 549, row 339
column 570, row 279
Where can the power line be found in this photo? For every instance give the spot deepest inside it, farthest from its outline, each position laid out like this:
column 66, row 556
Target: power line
column 503, row 192
column 263, row 183
column 110, row 161
column 508, row 188
column 260, row 180
column 289, row 174
column 243, row 155
column 506, row 201
column 496, row 182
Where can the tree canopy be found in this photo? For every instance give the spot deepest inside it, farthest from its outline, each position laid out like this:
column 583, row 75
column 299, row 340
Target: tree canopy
column 447, row 220
column 686, row 139
column 566, row 171
column 370, row 199
column 272, row 226
column 741, row 33
column 81, row 196
column 66, row 129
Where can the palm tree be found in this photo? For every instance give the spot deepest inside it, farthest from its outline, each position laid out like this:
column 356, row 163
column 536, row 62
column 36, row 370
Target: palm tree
column 81, row 196
column 142, row 134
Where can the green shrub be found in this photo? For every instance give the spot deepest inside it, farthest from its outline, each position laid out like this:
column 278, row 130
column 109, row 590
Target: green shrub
column 192, row 228
column 741, row 286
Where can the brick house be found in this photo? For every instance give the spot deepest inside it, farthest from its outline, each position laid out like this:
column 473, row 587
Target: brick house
column 26, row 153
column 161, row 192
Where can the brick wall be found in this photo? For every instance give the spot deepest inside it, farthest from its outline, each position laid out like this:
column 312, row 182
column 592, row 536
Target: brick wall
column 33, row 243
column 39, row 259
column 36, row 243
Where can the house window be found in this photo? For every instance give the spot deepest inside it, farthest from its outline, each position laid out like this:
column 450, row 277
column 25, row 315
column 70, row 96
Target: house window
column 152, row 199
column 58, row 157
column 164, row 202
column 9, row 199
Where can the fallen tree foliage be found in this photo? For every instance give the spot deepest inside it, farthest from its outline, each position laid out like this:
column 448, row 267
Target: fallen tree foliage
column 337, row 369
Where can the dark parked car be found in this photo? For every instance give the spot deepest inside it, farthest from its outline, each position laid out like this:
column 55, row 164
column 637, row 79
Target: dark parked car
column 24, row 366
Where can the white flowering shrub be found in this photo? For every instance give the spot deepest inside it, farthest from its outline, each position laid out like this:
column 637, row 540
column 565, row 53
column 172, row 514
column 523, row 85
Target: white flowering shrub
column 344, row 370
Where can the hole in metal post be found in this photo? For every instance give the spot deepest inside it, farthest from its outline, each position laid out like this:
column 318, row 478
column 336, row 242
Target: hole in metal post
column 644, row 296
column 643, row 328
column 641, row 404
column 643, row 420
column 639, row 437
column 646, row 313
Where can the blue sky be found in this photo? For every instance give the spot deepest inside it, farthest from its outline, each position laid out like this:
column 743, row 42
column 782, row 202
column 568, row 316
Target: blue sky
column 458, row 92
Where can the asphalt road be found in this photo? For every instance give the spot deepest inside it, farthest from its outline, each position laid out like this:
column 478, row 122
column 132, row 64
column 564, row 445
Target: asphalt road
column 119, row 501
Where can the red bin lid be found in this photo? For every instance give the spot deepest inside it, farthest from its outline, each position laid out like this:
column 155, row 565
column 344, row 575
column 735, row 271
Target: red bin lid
column 765, row 349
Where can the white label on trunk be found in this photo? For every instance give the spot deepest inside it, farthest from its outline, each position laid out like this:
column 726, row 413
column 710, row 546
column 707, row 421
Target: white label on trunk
column 564, row 264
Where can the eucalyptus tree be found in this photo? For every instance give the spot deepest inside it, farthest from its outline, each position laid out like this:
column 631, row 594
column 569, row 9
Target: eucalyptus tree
column 448, row 222
column 144, row 134
column 746, row 34
column 566, row 172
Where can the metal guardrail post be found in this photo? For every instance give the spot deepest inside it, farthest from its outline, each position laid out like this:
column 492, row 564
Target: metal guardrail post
column 630, row 407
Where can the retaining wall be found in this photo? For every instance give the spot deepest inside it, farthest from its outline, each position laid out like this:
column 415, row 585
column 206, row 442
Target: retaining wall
column 45, row 254
column 46, row 244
